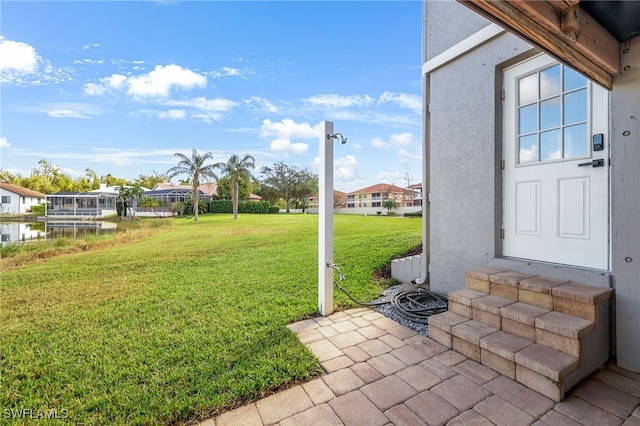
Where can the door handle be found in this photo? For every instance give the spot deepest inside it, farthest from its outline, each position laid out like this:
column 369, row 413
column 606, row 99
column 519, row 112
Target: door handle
column 595, row 163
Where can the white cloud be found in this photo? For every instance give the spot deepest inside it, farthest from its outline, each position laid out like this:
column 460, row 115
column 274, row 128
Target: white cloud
column 173, row 114
column 70, row 110
column 403, row 100
column 337, row 101
column 346, row 168
column 404, row 139
column 261, row 104
column 16, row 56
column 162, row 79
column 396, row 140
column 283, row 131
column 288, row 129
column 157, row 83
column 377, row 142
column 4, row 143
column 288, row 147
column 207, row 110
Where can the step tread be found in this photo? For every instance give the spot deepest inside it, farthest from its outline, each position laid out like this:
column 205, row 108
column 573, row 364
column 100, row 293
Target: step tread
column 504, row 344
column 491, row 303
column 509, row 278
column 445, row 320
column 483, row 273
column 582, row 293
column 523, row 312
column 464, row 296
column 565, row 325
column 549, row 362
column 472, row 331
column 541, row 284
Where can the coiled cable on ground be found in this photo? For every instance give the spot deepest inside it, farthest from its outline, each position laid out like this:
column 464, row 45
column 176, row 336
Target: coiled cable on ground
column 413, row 305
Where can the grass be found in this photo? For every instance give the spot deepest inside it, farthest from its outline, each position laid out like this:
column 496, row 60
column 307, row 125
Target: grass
column 181, row 325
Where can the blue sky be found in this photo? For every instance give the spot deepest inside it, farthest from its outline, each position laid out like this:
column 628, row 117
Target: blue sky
column 119, row 87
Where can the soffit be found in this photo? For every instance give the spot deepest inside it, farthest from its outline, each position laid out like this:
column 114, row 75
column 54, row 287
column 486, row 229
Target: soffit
column 586, row 35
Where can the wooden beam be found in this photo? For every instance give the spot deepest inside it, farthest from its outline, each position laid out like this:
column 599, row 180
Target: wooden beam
column 593, row 51
column 569, row 21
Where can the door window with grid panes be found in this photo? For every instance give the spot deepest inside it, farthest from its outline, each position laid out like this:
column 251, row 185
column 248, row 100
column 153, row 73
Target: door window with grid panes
column 552, row 115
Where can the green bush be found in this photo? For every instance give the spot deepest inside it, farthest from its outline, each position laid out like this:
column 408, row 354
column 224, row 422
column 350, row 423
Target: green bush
column 414, row 214
column 39, row 209
column 274, row 209
column 226, row 206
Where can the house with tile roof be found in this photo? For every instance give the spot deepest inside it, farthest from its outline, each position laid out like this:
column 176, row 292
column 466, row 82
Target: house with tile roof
column 376, row 195
column 18, row 200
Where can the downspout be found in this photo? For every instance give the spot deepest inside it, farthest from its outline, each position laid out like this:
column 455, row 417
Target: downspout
column 426, row 159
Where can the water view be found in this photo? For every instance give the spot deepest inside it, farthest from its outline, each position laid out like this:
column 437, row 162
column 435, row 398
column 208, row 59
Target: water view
column 24, row 232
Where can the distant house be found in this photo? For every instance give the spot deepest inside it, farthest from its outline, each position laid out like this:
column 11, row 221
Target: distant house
column 18, row 200
column 376, row 195
column 100, row 202
column 416, row 194
column 339, row 200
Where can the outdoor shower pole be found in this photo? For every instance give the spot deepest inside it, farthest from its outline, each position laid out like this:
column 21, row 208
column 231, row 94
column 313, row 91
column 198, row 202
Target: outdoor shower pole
column 325, row 227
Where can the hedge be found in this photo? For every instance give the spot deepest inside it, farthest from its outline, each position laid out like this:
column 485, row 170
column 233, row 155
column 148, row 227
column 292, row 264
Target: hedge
column 226, row 206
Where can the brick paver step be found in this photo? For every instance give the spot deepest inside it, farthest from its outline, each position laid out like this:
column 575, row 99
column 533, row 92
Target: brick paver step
column 547, row 361
column 523, row 312
column 506, row 284
column 446, row 320
column 491, row 304
column 582, row 293
column 487, row 310
column 504, row 344
column 565, row 325
column 464, row 296
column 478, row 278
column 537, row 291
column 472, row 331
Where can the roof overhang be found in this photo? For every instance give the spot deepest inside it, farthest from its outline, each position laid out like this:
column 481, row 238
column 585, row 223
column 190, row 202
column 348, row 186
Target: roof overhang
column 564, row 29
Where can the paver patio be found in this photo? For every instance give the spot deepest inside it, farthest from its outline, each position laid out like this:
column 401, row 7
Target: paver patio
column 382, row 373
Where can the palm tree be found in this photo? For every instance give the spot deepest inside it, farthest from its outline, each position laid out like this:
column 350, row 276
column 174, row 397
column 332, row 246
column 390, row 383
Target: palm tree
column 196, row 168
column 237, row 169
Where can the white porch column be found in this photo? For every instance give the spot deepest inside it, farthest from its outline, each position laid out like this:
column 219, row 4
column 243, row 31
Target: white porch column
column 325, row 227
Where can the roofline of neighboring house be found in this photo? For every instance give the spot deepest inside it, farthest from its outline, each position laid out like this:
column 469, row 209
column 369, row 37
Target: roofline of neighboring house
column 19, row 190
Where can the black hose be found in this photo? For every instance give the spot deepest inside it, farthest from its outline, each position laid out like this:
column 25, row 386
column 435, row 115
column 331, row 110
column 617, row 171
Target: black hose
column 413, row 305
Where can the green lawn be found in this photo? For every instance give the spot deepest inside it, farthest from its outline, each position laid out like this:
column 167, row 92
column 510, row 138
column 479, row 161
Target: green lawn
column 181, row 325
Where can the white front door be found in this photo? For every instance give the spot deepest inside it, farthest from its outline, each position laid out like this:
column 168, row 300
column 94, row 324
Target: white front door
column 556, row 166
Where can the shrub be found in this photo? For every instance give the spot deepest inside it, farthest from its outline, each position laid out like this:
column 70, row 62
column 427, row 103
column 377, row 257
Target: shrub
column 274, row 209
column 39, row 209
column 253, row 207
column 413, row 214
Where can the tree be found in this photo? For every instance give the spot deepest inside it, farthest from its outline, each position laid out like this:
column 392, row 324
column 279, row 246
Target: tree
column 128, row 195
column 150, row 181
column 237, row 169
column 389, row 204
column 289, row 183
column 225, row 189
column 196, row 168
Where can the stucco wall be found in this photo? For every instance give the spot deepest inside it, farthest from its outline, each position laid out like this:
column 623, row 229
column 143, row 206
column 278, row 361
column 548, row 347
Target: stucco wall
column 448, row 23
column 464, row 114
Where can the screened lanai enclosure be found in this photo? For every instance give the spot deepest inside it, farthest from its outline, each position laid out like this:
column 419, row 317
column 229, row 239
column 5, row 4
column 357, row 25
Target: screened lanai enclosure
column 81, row 204
column 167, row 199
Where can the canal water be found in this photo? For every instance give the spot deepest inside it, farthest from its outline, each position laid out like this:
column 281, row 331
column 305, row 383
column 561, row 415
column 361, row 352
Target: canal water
column 23, row 232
